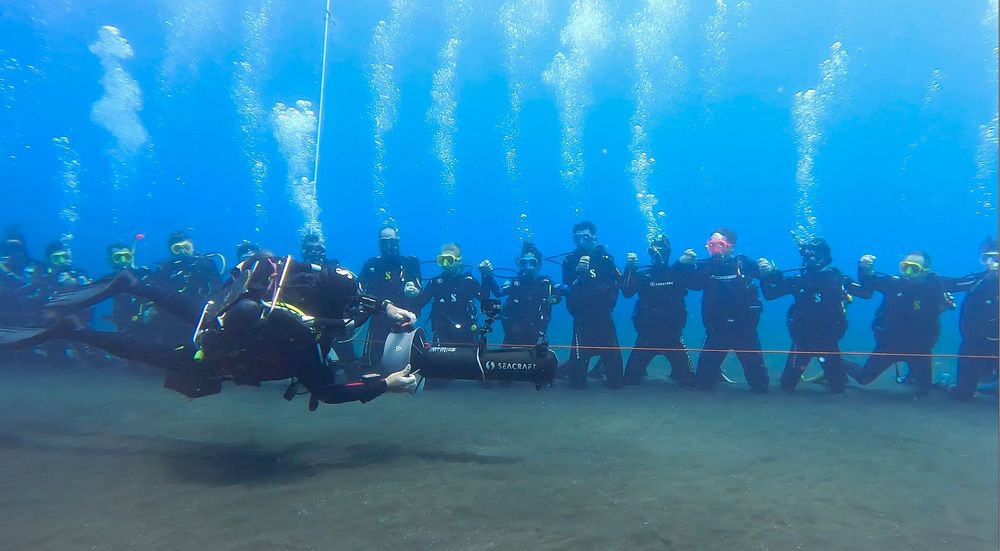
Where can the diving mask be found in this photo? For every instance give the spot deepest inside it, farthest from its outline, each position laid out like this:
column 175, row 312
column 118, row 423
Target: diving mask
column 719, row 247
column 122, row 258
column 183, row 248
column 911, row 268
column 60, row 258
column 447, row 260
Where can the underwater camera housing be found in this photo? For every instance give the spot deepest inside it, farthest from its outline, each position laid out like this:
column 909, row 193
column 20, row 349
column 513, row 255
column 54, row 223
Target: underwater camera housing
column 535, row 364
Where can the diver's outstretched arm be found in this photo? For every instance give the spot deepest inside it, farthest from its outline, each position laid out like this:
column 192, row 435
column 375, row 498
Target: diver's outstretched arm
column 365, row 390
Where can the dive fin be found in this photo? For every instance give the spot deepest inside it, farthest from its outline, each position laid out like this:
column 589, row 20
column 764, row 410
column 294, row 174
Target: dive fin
column 23, row 337
column 89, row 295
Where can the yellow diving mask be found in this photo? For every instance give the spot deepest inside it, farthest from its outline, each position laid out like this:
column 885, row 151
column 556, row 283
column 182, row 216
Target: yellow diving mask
column 121, row 258
column 910, row 268
column 185, row 247
column 60, row 258
column 447, row 260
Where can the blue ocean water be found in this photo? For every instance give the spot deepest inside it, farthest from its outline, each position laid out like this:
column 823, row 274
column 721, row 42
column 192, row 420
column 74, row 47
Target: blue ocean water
column 873, row 124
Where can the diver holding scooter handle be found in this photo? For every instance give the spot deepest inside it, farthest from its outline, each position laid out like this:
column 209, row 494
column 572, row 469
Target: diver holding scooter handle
column 408, row 346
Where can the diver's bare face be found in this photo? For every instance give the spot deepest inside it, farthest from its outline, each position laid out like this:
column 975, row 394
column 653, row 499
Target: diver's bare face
column 529, row 265
column 584, row 241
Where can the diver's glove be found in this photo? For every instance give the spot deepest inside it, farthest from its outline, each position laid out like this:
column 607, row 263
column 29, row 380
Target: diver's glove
column 401, row 381
column 486, row 268
column 765, row 266
column 398, row 315
column 583, row 267
column 410, row 289
column 631, row 261
column 866, row 264
column 689, row 257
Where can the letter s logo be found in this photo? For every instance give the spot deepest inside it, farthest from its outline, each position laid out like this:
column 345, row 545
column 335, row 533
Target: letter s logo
column 454, row 298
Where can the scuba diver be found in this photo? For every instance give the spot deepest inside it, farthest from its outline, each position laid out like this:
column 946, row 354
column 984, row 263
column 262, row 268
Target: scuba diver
column 253, row 330
column 591, row 280
column 247, row 249
column 527, row 309
column 20, row 289
column 454, row 293
column 659, row 315
column 730, row 309
column 59, row 272
column 314, row 252
column 817, row 319
column 386, row 276
column 128, row 312
column 908, row 322
column 978, row 324
column 186, row 273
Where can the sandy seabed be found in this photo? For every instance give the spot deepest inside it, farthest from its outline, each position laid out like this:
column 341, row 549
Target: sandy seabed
column 103, row 458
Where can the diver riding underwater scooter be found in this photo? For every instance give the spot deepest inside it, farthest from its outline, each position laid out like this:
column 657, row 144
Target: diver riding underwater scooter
column 535, row 364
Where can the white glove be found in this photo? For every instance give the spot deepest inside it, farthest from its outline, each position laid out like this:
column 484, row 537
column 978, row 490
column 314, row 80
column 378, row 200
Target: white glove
column 486, row 267
column 867, row 263
column 766, row 266
column 398, row 315
column 583, row 268
column 410, row 289
column 401, row 381
column 631, row 261
column 688, row 257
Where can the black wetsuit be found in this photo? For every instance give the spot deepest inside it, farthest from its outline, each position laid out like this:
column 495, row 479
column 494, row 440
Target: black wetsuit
column 127, row 311
column 194, row 278
column 453, row 310
column 817, row 320
column 591, row 299
column 907, row 325
column 342, row 343
column 730, row 310
column 659, row 317
column 22, row 295
column 527, row 309
column 247, row 348
column 387, row 276
column 53, row 279
column 979, row 328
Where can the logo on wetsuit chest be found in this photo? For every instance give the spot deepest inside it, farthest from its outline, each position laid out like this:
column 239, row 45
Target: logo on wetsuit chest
column 916, row 305
column 388, row 276
column 450, row 298
column 508, row 366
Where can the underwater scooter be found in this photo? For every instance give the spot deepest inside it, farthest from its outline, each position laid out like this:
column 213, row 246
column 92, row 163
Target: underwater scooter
column 536, row 364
